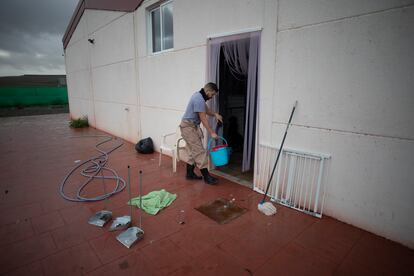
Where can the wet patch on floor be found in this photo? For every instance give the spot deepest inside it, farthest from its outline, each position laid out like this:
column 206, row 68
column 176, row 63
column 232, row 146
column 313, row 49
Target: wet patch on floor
column 221, row 210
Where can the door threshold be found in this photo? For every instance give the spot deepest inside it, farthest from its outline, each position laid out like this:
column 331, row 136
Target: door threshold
column 232, row 178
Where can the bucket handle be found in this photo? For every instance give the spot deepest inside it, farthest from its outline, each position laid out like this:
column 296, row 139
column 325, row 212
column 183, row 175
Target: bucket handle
column 211, row 139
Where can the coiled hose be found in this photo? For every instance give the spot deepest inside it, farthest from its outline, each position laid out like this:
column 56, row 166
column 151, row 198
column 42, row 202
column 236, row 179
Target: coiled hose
column 92, row 171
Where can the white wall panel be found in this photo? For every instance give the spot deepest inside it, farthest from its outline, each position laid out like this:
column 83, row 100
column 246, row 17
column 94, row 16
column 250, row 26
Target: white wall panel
column 99, row 18
column 355, row 75
column 168, row 80
column 114, row 42
column 79, row 84
column 157, row 121
column 77, row 56
column 117, row 119
column 80, row 108
column 115, row 83
column 110, row 62
column 206, row 18
column 296, row 13
column 266, row 74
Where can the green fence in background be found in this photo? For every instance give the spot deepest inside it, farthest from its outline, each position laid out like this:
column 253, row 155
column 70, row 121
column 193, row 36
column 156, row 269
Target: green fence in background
column 32, row 95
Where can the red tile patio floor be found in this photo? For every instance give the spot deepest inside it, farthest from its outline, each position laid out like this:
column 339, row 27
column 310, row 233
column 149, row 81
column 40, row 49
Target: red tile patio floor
column 42, row 234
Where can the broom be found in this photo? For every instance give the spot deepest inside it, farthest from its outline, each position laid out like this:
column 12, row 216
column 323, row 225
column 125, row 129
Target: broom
column 268, row 208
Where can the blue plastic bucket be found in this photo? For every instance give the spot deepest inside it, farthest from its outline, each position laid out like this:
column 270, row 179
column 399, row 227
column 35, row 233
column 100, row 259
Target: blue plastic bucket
column 219, row 154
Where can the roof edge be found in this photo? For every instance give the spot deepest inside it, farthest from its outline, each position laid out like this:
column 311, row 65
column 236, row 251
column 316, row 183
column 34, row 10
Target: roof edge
column 109, row 5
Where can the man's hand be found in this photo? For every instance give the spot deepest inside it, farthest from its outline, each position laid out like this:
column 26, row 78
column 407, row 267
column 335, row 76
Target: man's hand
column 218, row 117
column 203, row 119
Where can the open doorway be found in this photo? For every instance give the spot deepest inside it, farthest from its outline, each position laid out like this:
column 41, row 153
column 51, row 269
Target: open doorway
column 232, row 106
column 235, row 62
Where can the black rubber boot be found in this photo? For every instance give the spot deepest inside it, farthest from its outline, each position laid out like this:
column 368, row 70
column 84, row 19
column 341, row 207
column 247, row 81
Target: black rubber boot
column 208, row 178
column 190, row 173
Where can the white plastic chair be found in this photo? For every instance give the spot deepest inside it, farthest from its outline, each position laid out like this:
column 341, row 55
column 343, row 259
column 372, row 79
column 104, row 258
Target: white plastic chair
column 172, row 143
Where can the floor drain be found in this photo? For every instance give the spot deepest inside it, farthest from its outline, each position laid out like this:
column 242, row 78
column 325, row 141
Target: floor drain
column 221, row 210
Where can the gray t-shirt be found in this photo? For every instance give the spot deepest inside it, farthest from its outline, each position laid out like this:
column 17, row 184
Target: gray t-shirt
column 196, row 104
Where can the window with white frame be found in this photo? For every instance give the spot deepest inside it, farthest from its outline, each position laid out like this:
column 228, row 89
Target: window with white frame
column 161, row 27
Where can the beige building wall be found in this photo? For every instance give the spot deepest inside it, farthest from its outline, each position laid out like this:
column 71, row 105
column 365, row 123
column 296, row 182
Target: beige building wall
column 102, row 76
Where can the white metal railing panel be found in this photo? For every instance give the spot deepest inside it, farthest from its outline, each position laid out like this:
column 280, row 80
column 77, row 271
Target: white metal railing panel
column 298, row 181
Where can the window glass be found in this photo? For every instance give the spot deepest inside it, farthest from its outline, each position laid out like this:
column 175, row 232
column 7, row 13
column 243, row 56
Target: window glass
column 167, row 26
column 156, row 30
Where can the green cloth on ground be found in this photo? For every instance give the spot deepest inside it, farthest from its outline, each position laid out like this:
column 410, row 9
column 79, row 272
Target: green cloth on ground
column 153, row 202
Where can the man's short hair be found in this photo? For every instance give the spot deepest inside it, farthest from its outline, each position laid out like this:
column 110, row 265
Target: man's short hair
column 211, row 86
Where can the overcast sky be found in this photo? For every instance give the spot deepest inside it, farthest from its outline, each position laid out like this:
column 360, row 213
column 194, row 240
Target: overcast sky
column 31, row 34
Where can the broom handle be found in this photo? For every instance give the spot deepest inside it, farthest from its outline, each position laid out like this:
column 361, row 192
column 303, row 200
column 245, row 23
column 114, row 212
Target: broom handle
column 140, row 200
column 278, row 154
column 129, row 192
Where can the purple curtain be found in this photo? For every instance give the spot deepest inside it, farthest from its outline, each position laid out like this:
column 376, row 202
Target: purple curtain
column 213, row 75
column 241, row 53
column 236, row 54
